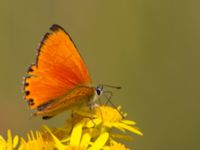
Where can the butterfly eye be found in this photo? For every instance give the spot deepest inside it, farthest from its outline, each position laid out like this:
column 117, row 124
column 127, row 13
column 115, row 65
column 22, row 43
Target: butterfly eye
column 99, row 90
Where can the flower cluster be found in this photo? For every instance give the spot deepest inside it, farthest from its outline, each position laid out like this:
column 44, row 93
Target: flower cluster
column 100, row 128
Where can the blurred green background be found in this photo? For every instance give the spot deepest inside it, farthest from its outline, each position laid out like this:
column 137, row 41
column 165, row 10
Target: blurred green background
column 150, row 48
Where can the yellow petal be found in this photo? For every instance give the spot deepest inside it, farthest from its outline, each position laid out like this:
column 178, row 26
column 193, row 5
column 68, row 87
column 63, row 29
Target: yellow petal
column 100, row 142
column 2, row 140
column 125, row 114
column 119, row 107
column 85, row 140
column 58, row 143
column 29, row 138
column 116, row 125
column 128, row 122
column 76, row 134
column 9, row 140
column 93, row 122
column 15, row 141
column 2, row 143
column 129, row 128
column 65, row 140
column 32, row 135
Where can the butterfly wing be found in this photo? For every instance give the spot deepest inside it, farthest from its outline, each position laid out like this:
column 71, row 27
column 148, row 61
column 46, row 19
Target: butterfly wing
column 58, row 69
column 74, row 99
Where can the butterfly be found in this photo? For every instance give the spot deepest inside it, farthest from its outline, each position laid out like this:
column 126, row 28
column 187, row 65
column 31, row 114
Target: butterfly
column 59, row 79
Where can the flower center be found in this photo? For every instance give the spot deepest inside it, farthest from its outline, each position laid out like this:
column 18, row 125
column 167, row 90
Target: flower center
column 108, row 114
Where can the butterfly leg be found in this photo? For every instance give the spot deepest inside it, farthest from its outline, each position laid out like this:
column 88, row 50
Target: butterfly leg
column 109, row 101
column 108, row 97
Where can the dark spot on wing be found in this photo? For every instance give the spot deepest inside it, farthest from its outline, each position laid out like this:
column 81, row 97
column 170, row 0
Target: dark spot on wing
column 27, row 93
column 46, row 117
column 31, row 102
column 30, row 69
column 56, row 27
column 44, row 106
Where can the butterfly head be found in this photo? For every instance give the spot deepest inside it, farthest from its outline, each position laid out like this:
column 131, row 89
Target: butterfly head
column 99, row 90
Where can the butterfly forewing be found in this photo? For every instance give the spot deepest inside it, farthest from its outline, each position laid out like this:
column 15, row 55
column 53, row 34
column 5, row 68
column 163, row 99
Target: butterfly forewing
column 59, row 68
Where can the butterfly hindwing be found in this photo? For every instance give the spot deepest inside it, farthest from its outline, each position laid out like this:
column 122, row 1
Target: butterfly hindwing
column 74, row 99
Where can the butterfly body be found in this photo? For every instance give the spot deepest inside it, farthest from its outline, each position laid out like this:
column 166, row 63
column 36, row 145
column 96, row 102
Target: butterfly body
column 59, row 79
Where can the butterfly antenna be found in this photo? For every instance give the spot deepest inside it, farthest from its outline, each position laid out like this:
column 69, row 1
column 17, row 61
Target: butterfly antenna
column 111, row 86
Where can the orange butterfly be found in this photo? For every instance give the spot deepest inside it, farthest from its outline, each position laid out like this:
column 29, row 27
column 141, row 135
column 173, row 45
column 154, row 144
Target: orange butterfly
column 59, row 80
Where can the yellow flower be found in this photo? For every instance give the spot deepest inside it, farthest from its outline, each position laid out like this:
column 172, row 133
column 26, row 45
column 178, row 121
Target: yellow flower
column 36, row 141
column 104, row 119
column 10, row 144
column 85, row 130
column 109, row 117
column 79, row 140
